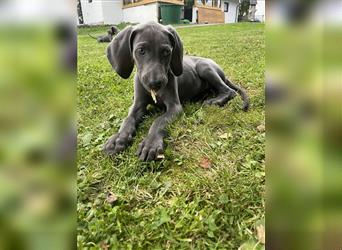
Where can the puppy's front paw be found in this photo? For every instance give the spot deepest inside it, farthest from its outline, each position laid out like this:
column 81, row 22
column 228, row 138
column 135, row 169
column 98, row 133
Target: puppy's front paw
column 116, row 144
column 150, row 148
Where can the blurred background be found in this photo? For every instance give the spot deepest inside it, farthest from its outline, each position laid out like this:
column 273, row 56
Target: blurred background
column 186, row 12
column 304, row 121
column 38, row 124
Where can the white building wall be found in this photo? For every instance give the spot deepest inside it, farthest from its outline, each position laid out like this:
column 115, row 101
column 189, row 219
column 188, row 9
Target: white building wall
column 141, row 13
column 112, row 11
column 231, row 15
column 92, row 12
column 260, row 11
column 194, row 14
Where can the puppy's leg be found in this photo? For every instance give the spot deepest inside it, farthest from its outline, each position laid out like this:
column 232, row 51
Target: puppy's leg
column 152, row 146
column 120, row 141
column 207, row 70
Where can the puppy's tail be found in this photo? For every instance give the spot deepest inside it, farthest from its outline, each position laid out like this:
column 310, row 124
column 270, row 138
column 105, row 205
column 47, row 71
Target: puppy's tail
column 92, row 36
column 241, row 92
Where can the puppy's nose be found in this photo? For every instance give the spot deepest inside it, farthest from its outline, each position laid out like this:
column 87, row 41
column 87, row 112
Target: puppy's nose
column 156, row 84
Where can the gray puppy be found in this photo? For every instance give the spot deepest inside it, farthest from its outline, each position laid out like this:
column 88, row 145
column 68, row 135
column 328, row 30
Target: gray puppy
column 106, row 38
column 165, row 78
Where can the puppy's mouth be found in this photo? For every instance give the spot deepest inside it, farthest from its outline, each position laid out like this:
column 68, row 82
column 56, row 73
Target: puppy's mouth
column 153, row 95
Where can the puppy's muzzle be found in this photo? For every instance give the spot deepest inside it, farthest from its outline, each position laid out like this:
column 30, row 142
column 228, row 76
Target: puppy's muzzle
column 155, row 85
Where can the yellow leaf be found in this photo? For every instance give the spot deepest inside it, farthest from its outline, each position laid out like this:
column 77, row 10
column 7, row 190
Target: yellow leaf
column 224, row 136
column 261, row 233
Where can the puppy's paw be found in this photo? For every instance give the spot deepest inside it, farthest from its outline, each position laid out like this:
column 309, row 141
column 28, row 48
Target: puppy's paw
column 150, row 148
column 116, row 144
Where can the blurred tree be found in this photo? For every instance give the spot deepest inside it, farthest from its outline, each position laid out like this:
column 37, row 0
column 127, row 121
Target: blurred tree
column 244, row 9
column 188, row 2
column 79, row 12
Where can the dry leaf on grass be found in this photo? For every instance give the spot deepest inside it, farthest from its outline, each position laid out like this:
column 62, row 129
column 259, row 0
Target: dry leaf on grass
column 224, row 136
column 261, row 128
column 161, row 157
column 111, row 198
column 205, row 163
column 104, row 246
column 261, row 233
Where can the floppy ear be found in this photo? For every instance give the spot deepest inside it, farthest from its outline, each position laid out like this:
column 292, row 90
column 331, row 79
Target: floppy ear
column 177, row 52
column 119, row 53
column 114, row 30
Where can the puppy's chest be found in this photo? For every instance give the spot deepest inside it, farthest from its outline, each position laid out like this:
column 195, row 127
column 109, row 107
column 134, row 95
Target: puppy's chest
column 159, row 101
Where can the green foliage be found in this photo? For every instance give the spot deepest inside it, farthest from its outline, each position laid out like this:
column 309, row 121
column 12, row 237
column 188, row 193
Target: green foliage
column 189, row 2
column 243, row 10
column 174, row 203
column 185, row 21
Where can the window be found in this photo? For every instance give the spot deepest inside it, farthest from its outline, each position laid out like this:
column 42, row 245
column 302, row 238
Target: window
column 226, row 6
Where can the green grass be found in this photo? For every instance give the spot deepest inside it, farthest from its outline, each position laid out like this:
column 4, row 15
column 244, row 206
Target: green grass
column 175, row 203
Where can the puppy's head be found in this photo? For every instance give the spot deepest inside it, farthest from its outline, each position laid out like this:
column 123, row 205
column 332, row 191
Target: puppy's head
column 112, row 31
column 115, row 30
column 155, row 49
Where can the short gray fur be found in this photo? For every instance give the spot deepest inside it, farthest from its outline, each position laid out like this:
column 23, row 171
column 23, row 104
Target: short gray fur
column 108, row 37
column 157, row 52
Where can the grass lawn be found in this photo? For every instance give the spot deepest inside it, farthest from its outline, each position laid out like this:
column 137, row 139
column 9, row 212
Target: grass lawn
column 209, row 191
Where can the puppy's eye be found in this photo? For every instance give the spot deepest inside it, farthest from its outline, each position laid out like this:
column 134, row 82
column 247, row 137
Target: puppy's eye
column 166, row 52
column 141, row 51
